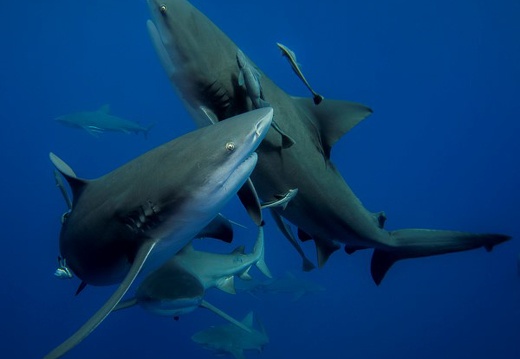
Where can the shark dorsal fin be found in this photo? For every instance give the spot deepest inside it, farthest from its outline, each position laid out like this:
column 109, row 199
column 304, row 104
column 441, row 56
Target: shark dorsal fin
column 77, row 185
column 248, row 320
column 334, row 118
column 104, row 109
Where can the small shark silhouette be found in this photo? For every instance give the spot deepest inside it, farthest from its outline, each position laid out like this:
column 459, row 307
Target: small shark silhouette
column 153, row 205
column 99, row 121
column 230, row 339
column 201, row 63
column 178, row 287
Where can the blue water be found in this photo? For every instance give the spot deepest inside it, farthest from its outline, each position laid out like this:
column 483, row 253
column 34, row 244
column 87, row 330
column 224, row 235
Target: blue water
column 440, row 151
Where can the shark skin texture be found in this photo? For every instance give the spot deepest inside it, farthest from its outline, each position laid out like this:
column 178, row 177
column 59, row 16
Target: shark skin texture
column 146, row 210
column 201, row 63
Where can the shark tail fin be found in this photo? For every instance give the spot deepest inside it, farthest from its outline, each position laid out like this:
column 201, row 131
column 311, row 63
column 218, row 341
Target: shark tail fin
column 415, row 243
column 260, row 250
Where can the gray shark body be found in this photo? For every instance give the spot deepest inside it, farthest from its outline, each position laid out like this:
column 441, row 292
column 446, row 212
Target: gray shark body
column 178, row 287
column 97, row 122
column 230, row 339
column 200, row 61
column 153, row 205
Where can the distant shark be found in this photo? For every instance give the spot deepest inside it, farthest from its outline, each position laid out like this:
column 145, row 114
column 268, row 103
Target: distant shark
column 287, row 284
column 201, row 62
column 153, row 206
column 230, row 339
column 97, row 122
column 178, row 287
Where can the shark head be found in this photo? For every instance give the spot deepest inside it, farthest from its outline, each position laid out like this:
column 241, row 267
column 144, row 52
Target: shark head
column 166, row 195
column 197, row 57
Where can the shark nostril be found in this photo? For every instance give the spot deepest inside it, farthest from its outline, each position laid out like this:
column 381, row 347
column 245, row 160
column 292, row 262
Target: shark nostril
column 163, row 9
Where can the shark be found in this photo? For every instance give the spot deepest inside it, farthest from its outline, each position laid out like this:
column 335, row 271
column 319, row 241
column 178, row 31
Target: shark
column 201, row 62
column 178, row 287
column 146, row 210
column 100, row 121
column 230, row 339
column 286, row 284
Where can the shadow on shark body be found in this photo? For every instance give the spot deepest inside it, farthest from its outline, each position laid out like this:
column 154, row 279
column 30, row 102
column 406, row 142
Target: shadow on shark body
column 146, row 210
column 201, row 62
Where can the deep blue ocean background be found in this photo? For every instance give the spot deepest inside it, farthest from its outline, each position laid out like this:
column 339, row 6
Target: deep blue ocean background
column 440, row 151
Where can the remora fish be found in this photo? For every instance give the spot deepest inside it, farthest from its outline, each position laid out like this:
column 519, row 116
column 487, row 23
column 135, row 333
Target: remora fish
column 230, row 339
column 154, row 203
column 291, row 57
column 96, row 122
column 178, row 287
column 200, row 60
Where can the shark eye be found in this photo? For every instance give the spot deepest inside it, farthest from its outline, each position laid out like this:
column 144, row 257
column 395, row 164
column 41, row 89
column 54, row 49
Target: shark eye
column 163, row 9
column 230, row 146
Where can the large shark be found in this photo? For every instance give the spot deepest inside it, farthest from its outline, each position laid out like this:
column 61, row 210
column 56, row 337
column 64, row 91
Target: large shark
column 178, row 287
column 201, row 62
column 230, row 339
column 153, row 205
column 99, row 121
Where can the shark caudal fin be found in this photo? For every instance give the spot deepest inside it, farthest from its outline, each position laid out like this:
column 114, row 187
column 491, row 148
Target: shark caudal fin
column 415, row 243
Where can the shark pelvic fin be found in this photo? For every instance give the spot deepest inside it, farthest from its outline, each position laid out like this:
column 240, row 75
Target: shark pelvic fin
column 227, row 317
column 334, row 118
column 227, row 285
column 107, row 308
column 324, row 248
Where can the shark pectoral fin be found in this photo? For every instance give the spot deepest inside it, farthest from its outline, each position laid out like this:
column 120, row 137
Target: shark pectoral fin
column 77, row 185
column 125, row 304
column 110, row 304
column 287, row 141
column 303, row 236
column 287, row 232
column 334, row 118
column 324, row 248
column 158, row 45
column 227, row 285
column 249, row 198
column 63, row 190
column 219, row 228
column 241, row 81
column 227, row 317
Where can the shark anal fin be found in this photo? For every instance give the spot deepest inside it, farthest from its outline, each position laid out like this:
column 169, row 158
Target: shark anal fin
column 227, row 317
column 110, row 304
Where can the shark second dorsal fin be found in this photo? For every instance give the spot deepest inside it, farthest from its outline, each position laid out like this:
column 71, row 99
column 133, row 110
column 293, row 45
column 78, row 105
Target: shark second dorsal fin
column 76, row 184
column 334, row 118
